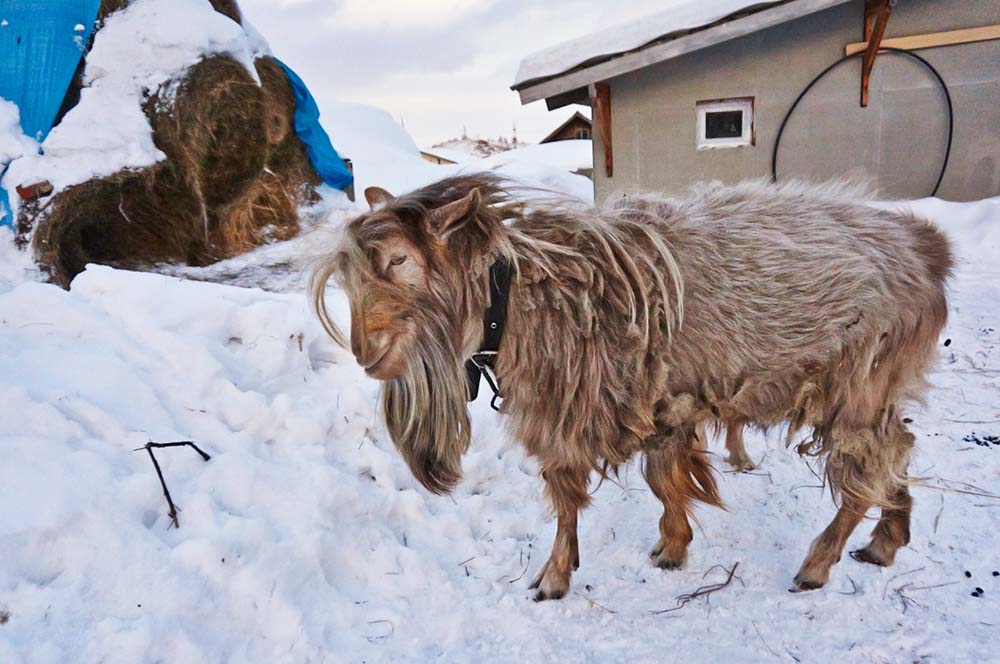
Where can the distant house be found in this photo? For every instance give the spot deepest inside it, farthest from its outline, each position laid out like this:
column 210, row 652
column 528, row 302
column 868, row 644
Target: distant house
column 700, row 91
column 576, row 127
column 439, row 157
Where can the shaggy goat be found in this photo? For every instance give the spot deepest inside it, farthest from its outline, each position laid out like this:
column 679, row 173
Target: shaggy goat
column 631, row 325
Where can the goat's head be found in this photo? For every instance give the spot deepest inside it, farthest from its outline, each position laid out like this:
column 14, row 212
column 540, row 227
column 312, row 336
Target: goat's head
column 413, row 270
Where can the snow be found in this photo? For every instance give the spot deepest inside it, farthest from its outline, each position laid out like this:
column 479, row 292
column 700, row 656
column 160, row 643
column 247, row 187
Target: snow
column 681, row 16
column 305, row 539
column 570, row 155
column 457, row 156
column 13, row 143
column 384, row 155
column 137, row 50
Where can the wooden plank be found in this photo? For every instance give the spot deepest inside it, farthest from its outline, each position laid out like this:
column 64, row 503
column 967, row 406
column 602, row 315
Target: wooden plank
column 932, row 39
column 673, row 48
column 882, row 9
column 601, row 101
column 869, row 18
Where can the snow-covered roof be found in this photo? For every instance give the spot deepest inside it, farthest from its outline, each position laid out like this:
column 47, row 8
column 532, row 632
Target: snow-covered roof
column 452, row 155
column 713, row 21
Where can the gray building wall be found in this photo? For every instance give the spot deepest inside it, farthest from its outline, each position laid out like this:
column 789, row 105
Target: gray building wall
column 899, row 139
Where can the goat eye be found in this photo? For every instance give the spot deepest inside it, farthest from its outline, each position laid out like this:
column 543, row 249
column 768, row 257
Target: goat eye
column 399, row 259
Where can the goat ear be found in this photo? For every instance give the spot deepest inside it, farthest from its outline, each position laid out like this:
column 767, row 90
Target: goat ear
column 377, row 196
column 448, row 217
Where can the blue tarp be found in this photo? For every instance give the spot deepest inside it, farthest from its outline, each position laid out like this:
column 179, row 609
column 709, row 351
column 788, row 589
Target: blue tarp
column 40, row 48
column 320, row 151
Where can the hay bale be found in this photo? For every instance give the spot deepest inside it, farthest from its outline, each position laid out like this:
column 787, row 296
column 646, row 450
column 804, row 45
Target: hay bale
column 234, row 178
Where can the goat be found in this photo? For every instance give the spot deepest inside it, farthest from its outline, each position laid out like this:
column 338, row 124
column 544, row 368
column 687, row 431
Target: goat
column 631, row 325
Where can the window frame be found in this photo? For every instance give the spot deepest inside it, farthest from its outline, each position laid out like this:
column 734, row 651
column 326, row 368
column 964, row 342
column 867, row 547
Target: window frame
column 742, row 104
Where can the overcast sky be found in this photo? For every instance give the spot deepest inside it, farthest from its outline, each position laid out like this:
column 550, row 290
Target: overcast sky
column 435, row 64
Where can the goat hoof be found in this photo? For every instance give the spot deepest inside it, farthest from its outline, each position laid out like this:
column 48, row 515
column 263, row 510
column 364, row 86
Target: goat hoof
column 804, row 584
column 538, row 579
column 655, row 553
column 542, row 596
column 668, row 564
column 866, row 556
column 741, row 464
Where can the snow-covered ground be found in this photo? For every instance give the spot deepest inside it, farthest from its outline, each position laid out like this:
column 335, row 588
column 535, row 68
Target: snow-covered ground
column 305, row 539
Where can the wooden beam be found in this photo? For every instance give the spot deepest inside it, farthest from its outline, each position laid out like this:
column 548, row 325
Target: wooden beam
column 880, row 9
column 601, row 101
column 932, row 39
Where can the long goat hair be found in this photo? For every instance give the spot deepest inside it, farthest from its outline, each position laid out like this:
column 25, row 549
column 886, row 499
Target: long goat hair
column 631, row 324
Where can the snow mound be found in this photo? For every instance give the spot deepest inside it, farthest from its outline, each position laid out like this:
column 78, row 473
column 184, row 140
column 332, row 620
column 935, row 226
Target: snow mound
column 13, row 143
column 138, row 49
column 563, row 155
column 381, row 151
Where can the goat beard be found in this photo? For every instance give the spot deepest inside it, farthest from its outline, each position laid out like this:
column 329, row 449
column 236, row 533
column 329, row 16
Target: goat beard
column 425, row 411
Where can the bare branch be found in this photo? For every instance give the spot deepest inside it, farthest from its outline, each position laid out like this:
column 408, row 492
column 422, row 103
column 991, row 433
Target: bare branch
column 172, row 513
column 683, row 599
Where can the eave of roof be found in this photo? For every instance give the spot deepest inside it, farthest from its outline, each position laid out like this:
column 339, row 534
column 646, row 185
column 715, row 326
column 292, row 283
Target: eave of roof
column 666, row 47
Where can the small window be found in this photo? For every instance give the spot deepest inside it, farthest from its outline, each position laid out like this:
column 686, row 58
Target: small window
column 725, row 124
column 583, row 133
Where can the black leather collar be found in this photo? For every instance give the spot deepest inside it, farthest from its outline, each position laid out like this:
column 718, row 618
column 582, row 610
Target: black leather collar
column 494, row 321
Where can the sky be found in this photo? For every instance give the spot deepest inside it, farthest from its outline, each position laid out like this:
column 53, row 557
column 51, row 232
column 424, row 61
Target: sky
column 436, row 65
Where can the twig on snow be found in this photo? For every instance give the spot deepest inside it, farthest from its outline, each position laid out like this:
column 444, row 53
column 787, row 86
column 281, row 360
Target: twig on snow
column 936, row 585
column 979, row 493
column 159, row 472
column 938, row 517
column 593, row 602
column 520, row 576
column 854, row 588
column 381, row 637
column 918, row 569
column 761, row 637
column 906, row 601
column 683, row 599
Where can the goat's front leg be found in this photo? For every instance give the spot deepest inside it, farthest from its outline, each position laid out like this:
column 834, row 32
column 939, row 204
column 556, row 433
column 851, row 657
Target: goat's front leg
column 567, row 491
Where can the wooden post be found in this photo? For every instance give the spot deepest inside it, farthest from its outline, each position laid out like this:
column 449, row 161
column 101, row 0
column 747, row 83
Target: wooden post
column 876, row 19
column 600, row 98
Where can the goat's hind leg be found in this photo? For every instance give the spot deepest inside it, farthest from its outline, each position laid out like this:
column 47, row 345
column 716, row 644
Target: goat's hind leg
column 826, row 549
column 893, row 528
column 864, row 467
column 738, row 457
column 567, row 491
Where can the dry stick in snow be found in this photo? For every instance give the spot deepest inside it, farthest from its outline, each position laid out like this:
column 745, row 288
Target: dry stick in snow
column 702, row 591
column 756, row 629
column 593, row 602
column 166, row 492
column 937, row 519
